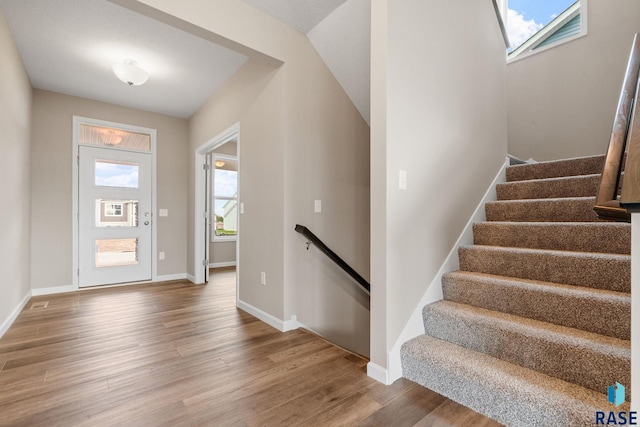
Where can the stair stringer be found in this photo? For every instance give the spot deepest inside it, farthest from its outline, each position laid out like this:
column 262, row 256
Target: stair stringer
column 415, row 326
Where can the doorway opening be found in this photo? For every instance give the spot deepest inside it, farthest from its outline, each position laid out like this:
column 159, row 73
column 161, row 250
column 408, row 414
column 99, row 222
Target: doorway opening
column 218, row 207
column 113, row 201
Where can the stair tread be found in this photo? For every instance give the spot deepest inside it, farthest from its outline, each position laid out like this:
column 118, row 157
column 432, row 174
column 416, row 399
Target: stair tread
column 544, row 188
column 567, row 305
column 560, row 253
column 567, row 353
column 547, row 200
column 552, row 179
column 578, row 236
column 567, row 267
column 509, row 393
column 559, row 288
column 542, row 330
column 556, row 168
column 556, row 209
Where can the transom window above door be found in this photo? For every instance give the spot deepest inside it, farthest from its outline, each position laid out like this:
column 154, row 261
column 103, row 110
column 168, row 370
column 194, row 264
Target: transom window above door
column 112, row 137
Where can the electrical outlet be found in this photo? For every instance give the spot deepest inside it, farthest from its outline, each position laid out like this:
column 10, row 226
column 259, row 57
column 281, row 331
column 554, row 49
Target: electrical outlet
column 263, row 278
column 160, row 255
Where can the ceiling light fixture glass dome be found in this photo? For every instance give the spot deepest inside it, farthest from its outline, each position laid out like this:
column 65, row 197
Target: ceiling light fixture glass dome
column 129, row 72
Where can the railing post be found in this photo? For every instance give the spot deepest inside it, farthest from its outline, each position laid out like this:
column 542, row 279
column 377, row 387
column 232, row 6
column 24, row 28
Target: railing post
column 607, row 204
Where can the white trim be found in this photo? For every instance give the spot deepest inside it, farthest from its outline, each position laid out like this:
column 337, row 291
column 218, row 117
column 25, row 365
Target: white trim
column 199, row 251
column 292, row 324
column 266, row 317
column 222, row 264
column 378, row 373
column 77, row 120
column 414, row 326
column 53, row 290
column 4, row 327
column 192, row 278
column 170, row 277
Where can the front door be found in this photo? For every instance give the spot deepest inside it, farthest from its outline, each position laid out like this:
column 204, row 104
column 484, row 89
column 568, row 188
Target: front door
column 114, row 217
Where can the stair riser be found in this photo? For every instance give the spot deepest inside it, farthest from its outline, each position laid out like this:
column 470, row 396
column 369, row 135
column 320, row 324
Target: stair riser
column 598, row 237
column 508, row 394
column 558, row 210
column 591, row 312
column 566, row 187
column 568, row 167
column 612, row 272
column 578, row 362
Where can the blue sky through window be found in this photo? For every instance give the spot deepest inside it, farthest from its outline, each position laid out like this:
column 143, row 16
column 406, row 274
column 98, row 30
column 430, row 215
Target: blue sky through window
column 526, row 17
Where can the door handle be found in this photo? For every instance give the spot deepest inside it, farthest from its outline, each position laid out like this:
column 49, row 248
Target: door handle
column 146, row 223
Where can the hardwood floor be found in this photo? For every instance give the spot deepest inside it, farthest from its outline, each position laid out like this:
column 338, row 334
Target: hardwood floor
column 180, row 354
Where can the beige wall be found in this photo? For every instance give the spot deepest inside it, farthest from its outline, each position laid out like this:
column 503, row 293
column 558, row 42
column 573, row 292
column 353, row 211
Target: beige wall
column 562, row 101
column 301, row 139
column 252, row 97
column 52, row 180
column 15, row 177
column 438, row 113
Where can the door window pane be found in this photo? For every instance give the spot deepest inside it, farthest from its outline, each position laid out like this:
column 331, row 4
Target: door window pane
column 116, row 213
column 116, row 252
column 111, row 173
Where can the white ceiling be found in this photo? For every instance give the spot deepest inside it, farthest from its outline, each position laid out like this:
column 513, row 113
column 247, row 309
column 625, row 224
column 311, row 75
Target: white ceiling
column 302, row 15
column 69, row 46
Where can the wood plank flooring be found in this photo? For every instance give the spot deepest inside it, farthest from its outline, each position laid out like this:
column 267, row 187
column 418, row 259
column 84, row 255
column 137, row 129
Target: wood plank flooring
column 179, row 354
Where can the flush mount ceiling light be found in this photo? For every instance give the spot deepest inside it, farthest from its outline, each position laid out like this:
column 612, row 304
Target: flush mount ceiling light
column 219, row 163
column 129, row 72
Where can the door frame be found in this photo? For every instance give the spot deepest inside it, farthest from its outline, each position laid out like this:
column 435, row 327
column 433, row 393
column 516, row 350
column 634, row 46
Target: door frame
column 200, row 251
column 77, row 121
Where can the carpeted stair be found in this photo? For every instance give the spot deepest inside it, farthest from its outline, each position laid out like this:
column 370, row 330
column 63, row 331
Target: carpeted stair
column 536, row 324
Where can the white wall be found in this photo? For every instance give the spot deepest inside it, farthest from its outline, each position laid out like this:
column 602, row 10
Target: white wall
column 52, row 146
column 438, row 113
column 562, row 101
column 15, row 179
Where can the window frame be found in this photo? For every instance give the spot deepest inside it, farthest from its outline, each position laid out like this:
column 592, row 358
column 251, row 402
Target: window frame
column 108, row 205
column 583, row 32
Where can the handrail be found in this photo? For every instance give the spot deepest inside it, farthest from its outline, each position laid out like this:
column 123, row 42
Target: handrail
column 608, row 205
column 334, row 257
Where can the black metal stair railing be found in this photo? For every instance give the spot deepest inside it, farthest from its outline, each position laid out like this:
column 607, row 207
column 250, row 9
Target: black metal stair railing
column 333, row 256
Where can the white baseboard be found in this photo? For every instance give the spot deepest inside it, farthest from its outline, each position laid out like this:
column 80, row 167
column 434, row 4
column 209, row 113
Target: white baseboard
column 170, row 277
column 378, row 373
column 191, row 278
column 282, row 326
column 222, row 264
column 4, row 327
column 50, row 291
column 414, row 326
column 291, row 324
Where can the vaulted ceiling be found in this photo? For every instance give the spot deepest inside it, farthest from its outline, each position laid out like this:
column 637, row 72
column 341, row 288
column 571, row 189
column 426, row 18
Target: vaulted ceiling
column 70, row 46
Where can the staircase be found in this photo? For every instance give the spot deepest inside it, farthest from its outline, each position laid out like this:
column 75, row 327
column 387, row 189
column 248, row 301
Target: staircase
column 536, row 324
